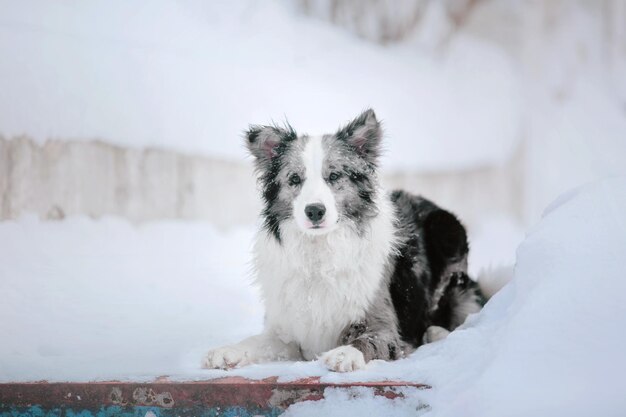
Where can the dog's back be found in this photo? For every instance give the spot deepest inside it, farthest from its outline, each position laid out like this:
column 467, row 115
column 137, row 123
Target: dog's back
column 429, row 285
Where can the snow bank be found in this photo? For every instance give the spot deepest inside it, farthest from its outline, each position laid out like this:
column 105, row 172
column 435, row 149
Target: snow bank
column 192, row 75
column 552, row 342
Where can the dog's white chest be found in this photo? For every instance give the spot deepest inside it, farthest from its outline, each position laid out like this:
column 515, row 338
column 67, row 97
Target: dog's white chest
column 314, row 288
column 313, row 310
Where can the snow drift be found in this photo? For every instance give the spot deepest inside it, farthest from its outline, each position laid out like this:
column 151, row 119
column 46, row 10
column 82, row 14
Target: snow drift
column 551, row 343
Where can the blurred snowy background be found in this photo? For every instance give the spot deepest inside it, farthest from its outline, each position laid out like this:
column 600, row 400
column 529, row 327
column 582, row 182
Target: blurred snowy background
column 136, row 110
column 127, row 203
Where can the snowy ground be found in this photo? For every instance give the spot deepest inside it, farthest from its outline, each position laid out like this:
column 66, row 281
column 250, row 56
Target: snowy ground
column 86, row 300
column 192, row 75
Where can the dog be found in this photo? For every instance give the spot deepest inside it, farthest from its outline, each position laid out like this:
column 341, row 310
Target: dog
column 348, row 272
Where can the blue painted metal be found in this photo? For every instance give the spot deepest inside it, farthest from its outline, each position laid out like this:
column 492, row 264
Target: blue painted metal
column 140, row 411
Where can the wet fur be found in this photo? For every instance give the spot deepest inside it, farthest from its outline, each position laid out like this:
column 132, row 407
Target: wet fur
column 394, row 266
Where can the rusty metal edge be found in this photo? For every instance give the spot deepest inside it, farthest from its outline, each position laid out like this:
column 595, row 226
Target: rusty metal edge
column 166, row 394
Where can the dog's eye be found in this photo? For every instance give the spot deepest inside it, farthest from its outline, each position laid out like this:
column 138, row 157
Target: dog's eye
column 294, row 179
column 334, row 176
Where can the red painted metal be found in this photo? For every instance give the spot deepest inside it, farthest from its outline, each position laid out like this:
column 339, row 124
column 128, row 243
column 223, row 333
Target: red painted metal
column 162, row 393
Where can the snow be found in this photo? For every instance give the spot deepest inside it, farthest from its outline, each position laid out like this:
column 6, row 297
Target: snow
column 85, row 300
column 360, row 401
column 577, row 141
column 192, row 75
column 493, row 243
column 577, row 119
column 550, row 343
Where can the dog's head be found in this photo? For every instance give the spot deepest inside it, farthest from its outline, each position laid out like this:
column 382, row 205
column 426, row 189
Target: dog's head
column 318, row 182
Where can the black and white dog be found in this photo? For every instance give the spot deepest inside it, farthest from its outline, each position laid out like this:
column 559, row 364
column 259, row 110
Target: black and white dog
column 348, row 272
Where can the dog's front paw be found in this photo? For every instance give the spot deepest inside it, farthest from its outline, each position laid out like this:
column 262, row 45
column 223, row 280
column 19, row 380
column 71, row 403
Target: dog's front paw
column 343, row 359
column 226, row 357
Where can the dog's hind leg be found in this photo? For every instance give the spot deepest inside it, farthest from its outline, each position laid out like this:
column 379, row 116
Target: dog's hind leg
column 460, row 298
column 265, row 347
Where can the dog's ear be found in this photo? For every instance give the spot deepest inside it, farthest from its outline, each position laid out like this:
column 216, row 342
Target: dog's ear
column 364, row 135
column 264, row 142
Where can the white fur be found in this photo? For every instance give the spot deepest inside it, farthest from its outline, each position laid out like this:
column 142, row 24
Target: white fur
column 434, row 334
column 344, row 359
column 469, row 305
column 315, row 190
column 314, row 286
column 260, row 348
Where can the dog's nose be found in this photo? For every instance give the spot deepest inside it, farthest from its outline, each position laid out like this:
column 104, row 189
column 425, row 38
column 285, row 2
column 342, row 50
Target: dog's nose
column 315, row 212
